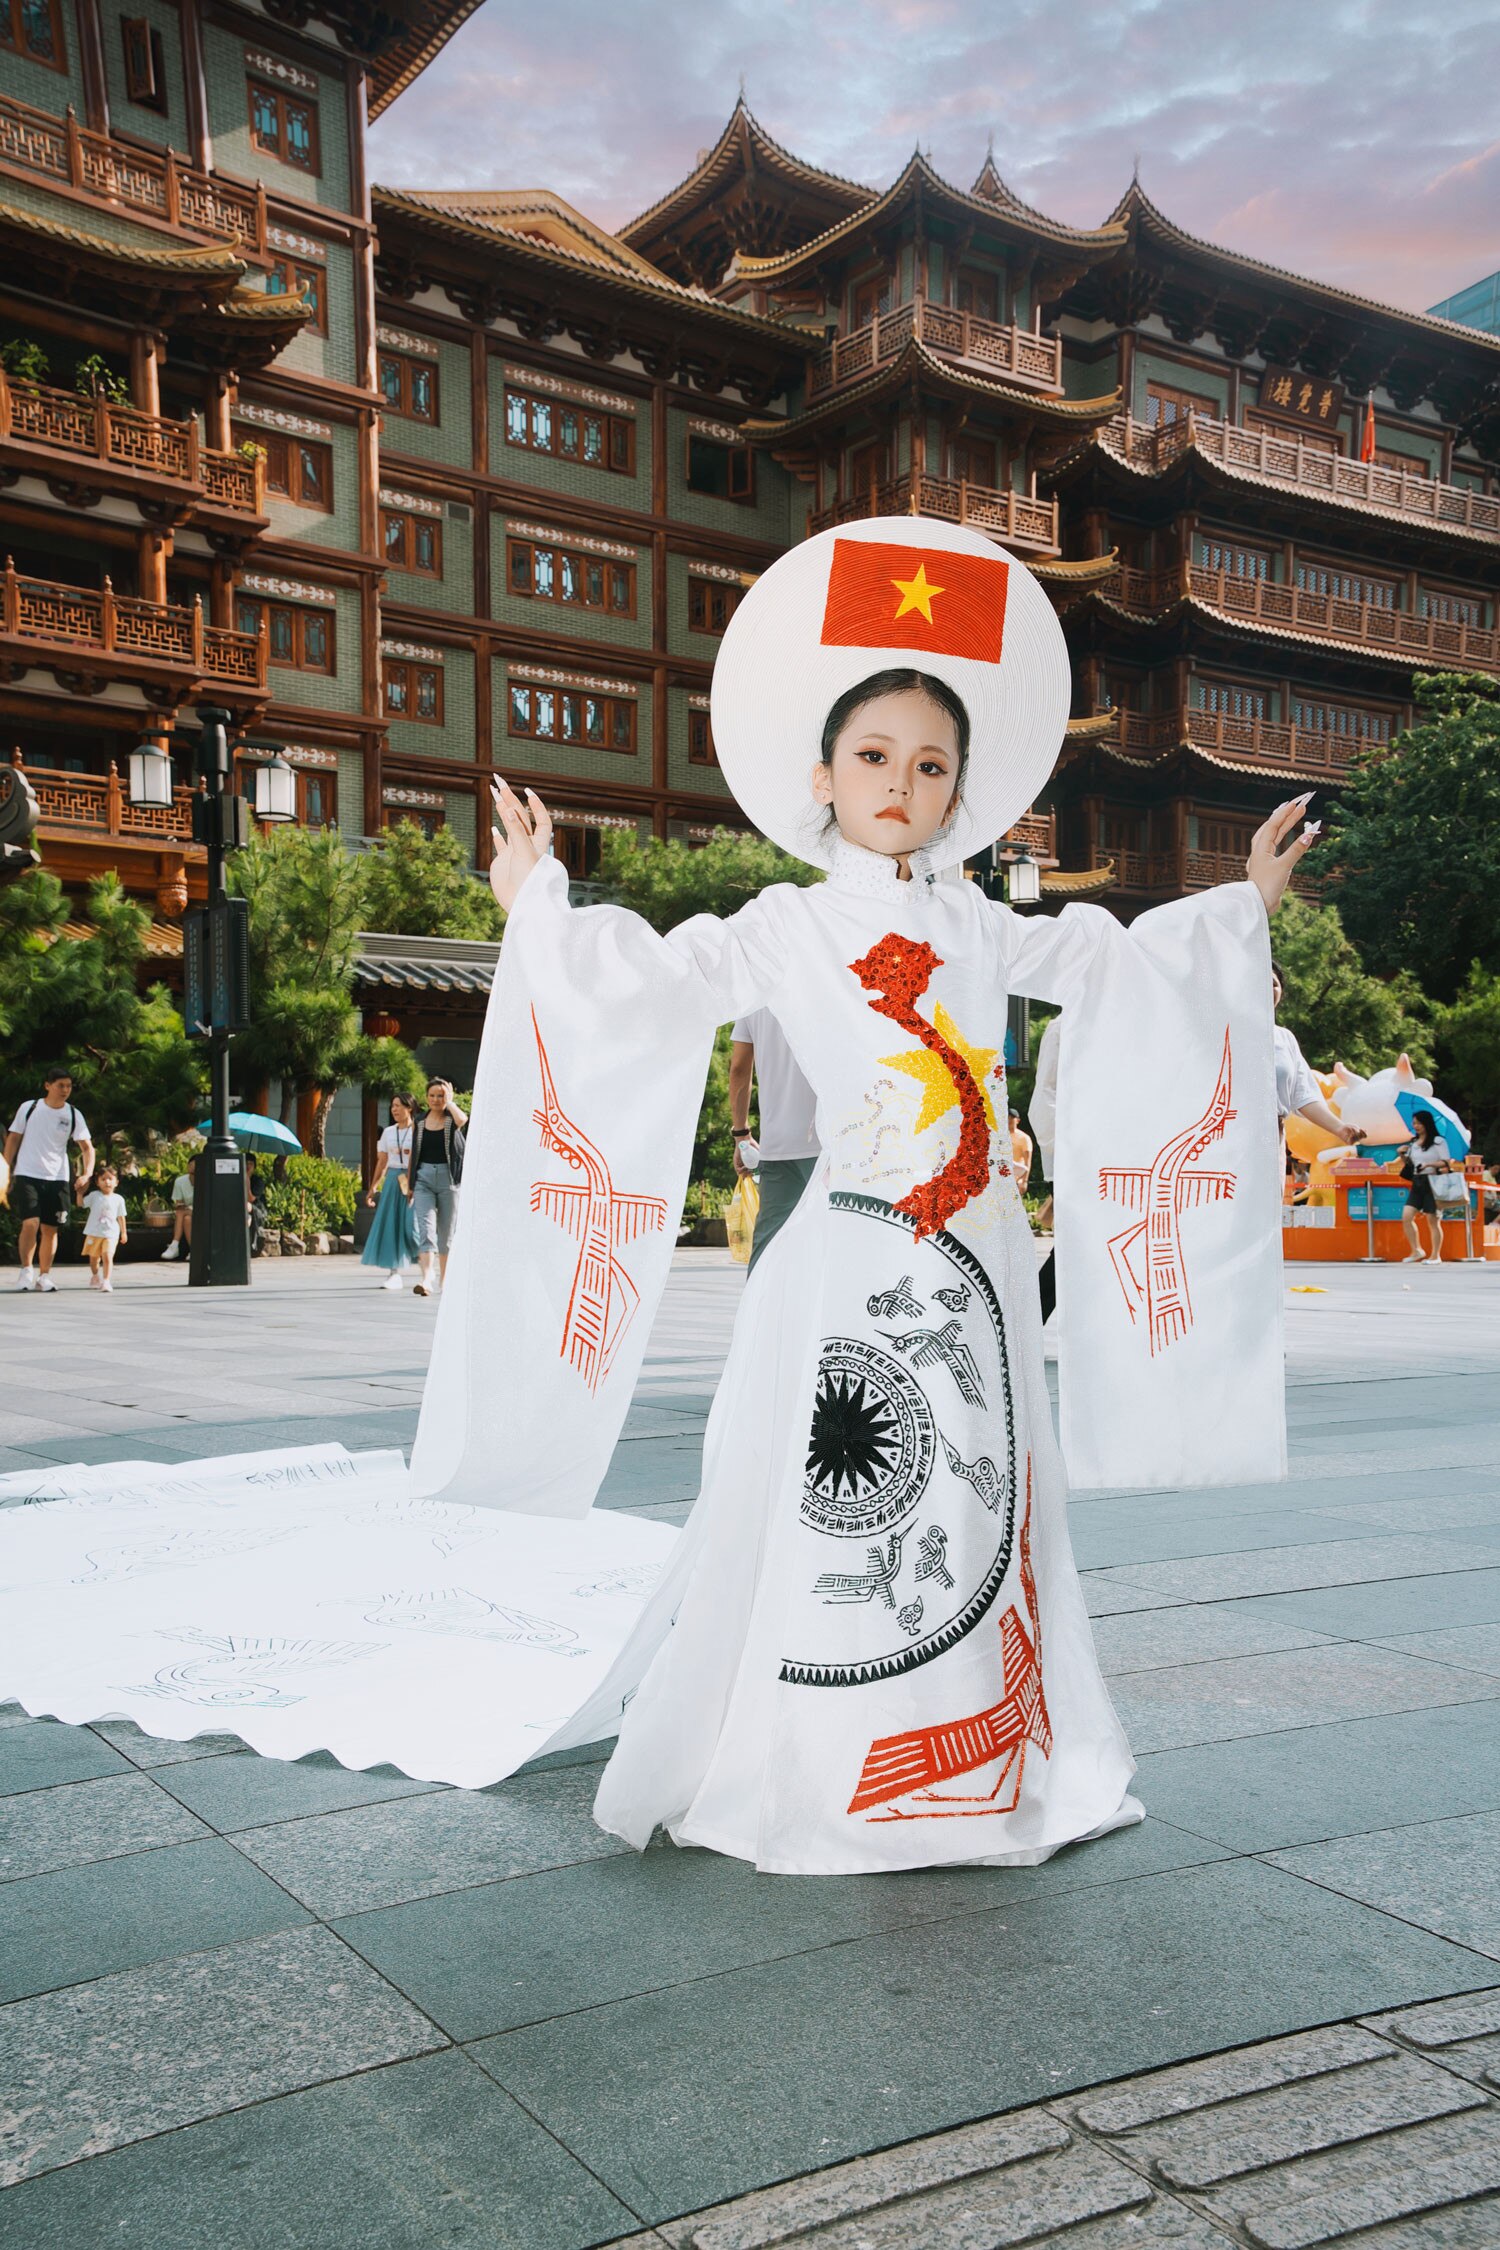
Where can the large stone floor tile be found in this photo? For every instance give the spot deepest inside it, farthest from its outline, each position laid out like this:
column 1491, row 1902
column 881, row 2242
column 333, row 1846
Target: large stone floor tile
column 41, row 1829
column 41, row 1754
column 417, row 1847
column 1185, row 1534
column 104, row 2064
column 1195, row 1633
column 1111, row 1597
column 1287, row 1570
column 150, row 1750
column 1474, row 1646
column 540, row 1946
column 1275, row 1790
column 1167, row 1709
column 1436, row 1510
column 685, row 2097
column 85, row 1922
column 1443, row 1875
column 1395, row 1605
column 405, row 2158
column 247, row 1791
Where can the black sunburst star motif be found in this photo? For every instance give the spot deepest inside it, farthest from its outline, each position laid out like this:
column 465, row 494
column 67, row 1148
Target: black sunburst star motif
column 855, row 1436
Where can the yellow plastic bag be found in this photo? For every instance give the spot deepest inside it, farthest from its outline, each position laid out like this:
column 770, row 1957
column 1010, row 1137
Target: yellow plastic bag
column 740, row 1214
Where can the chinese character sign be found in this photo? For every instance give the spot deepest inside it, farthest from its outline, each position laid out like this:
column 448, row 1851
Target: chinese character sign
column 1306, row 398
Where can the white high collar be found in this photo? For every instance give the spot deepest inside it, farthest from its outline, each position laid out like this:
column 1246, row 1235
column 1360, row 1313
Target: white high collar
column 874, row 874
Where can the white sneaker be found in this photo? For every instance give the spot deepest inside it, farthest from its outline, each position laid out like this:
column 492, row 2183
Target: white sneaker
column 394, row 1282
column 173, row 1250
column 95, row 1282
column 47, row 1285
column 107, row 1287
column 27, row 1278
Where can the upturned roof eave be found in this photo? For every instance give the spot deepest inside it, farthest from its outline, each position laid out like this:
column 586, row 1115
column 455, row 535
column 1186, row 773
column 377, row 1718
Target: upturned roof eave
column 915, row 358
column 695, row 189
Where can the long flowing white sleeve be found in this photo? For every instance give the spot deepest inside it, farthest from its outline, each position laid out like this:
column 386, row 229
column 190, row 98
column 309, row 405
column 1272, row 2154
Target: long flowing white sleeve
column 1166, row 1211
column 591, row 1072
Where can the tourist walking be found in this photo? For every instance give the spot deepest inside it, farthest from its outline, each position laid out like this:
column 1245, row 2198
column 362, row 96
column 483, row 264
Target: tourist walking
column 1427, row 1155
column 36, row 1149
column 782, row 1159
column 392, row 1239
column 1020, row 1152
column 104, row 1227
column 434, row 1169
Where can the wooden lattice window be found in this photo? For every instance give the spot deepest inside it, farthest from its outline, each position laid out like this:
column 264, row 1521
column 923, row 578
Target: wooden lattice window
column 1167, row 403
column 601, row 722
column 570, row 433
column 1347, row 585
column 409, row 386
column 145, row 64
column 1221, row 551
column 701, row 751
column 718, row 469
column 413, row 691
column 554, row 574
column 289, row 277
column 297, row 469
column 285, row 125
column 427, row 818
column 711, row 604
column 1230, row 699
column 297, row 636
column 1352, row 721
column 1408, row 464
column 34, row 28
column 1450, row 609
column 411, row 542
column 317, row 797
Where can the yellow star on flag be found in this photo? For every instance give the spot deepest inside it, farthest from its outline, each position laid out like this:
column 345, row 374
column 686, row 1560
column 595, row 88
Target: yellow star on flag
column 916, row 593
column 939, row 1094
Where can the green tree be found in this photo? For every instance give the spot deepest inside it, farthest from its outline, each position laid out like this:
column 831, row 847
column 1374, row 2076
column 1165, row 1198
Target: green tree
column 421, row 886
column 306, row 896
column 77, row 1001
column 665, row 883
column 1414, row 842
column 1468, row 1041
column 1331, row 1004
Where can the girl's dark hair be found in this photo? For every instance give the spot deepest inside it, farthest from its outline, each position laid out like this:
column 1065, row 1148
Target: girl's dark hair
column 1276, row 973
column 1421, row 1117
column 898, row 681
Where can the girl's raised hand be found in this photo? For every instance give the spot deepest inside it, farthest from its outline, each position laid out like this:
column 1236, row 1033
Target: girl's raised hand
column 1269, row 867
column 521, row 840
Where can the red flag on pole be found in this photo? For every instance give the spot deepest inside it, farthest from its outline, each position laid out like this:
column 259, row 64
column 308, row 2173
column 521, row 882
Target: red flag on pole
column 1367, row 441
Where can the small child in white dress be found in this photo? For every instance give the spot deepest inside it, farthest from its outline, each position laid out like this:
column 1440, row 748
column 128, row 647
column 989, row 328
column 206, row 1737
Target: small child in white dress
column 104, row 1228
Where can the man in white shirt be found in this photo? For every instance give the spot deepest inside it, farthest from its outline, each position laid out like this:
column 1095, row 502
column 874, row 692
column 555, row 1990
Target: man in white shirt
column 36, row 1149
column 788, row 1144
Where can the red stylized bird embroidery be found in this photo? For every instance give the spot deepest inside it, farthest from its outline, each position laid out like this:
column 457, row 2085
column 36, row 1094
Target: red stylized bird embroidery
column 604, row 1298
column 1164, row 1189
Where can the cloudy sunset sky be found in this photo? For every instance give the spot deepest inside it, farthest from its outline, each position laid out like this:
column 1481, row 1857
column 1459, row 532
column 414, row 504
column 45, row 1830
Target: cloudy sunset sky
column 1356, row 143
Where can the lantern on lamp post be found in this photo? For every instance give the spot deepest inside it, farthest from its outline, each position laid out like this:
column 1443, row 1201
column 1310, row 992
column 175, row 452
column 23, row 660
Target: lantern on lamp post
column 151, row 775
column 1023, row 884
column 275, row 792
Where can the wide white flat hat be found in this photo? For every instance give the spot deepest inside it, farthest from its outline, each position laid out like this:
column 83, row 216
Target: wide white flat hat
column 886, row 593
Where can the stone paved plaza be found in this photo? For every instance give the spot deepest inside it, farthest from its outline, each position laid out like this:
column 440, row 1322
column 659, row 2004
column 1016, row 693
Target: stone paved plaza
column 258, row 2006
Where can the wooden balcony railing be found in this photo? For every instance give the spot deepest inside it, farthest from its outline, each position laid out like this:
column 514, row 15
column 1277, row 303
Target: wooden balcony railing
column 96, row 430
column 1169, row 874
column 1000, row 349
column 1016, row 517
column 1272, row 743
column 68, row 622
column 155, row 182
column 1265, row 601
column 1037, row 831
column 102, row 804
column 1312, row 469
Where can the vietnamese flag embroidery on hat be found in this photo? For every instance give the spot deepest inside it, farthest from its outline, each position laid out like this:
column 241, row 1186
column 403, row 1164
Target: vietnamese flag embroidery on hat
column 930, row 600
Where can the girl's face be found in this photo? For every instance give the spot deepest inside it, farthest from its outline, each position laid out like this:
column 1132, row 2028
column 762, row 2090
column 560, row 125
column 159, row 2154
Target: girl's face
column 893, row 779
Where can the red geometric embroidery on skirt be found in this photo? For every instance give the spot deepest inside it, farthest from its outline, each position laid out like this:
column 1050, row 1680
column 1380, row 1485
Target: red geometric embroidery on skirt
column 604, row 1298
column 898, row 971
column 909, row 1767
column 1163, row 1190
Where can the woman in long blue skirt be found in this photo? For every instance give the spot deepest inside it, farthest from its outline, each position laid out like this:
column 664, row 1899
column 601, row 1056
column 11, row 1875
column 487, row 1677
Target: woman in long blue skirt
column 392, row 1240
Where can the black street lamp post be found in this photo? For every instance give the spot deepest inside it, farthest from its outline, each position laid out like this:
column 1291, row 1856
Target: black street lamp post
column 215, row 1006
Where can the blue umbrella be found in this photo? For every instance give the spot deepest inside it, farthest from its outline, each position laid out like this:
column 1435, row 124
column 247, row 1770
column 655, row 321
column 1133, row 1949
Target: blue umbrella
column 1451, row 1127
column 266, row 1135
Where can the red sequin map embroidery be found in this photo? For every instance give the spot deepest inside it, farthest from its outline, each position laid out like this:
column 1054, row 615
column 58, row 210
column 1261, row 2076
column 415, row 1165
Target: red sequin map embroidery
column 898, row 971
column 604, row 1299
column 902, row 1771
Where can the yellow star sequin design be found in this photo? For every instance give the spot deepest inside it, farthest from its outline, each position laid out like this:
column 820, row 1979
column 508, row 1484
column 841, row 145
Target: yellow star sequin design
column 939, row 1094
column 916, row 593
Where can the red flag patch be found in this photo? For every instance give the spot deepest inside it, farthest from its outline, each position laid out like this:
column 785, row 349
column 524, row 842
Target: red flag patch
column 929, row 600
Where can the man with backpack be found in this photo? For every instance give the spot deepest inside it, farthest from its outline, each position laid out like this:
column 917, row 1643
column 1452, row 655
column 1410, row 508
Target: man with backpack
column 41, row 1186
